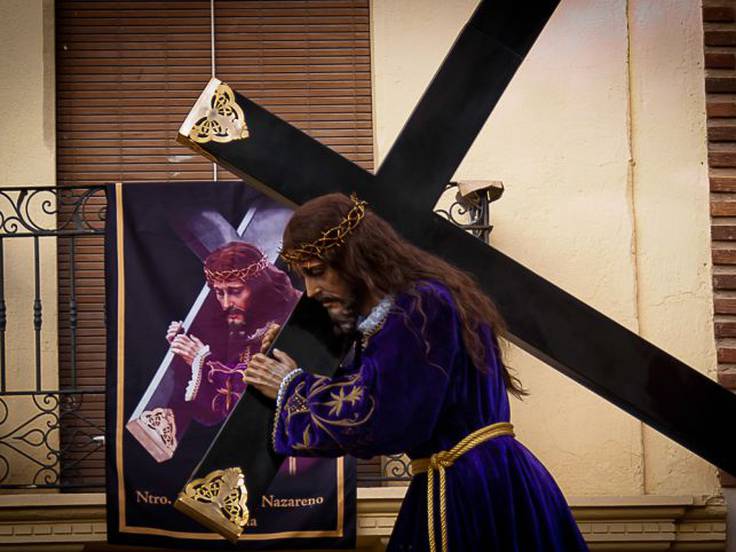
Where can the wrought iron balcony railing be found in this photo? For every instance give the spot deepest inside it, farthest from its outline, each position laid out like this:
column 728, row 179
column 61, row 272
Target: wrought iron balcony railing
column 52, row 367
column 51, row 422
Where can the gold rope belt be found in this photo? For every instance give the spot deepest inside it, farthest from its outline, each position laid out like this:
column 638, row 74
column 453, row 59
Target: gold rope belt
column 442, row 460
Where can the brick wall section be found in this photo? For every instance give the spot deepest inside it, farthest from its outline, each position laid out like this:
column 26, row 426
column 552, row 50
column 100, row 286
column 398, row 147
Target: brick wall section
column 719, row 21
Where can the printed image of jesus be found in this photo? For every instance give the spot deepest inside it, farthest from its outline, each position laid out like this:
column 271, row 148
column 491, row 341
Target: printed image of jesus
column 253, row 296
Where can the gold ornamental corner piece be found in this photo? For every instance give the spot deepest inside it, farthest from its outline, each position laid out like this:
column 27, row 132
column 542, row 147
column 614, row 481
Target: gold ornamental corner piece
column 156, row 431
column 215, row 117
column 217, row 501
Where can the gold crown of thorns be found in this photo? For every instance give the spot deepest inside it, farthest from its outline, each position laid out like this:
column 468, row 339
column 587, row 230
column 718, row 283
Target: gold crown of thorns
column 243, row 274
column 330, row 238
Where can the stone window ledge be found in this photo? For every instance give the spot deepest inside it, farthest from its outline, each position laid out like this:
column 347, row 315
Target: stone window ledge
column 642, row 523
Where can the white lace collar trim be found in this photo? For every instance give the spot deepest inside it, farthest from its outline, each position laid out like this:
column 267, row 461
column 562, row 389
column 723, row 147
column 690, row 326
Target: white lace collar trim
column 371, row 323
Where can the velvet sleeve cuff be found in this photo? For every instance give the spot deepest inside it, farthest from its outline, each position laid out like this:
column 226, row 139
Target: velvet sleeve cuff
column 281, row 397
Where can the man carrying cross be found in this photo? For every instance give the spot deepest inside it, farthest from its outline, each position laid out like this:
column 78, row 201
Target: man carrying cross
column 425, row 378
column 251, row 292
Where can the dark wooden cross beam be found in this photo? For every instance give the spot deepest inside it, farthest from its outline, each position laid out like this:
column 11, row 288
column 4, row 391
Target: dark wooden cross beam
column 542, row 319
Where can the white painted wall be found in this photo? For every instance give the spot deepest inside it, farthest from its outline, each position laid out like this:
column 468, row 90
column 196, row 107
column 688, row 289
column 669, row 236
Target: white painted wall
column 600, row 142
column 28, row 158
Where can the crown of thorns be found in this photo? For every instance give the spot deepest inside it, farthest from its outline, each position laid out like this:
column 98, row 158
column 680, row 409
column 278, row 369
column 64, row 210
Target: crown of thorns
column 243, row 274
column 330, row 238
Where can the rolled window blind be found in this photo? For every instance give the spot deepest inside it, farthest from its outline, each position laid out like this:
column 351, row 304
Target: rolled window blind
column 127, row 75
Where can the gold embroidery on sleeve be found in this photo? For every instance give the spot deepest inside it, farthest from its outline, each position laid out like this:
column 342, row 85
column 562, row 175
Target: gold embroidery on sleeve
column 305, row 440
column 340, row 393
column 340, row 398
column 297, row 402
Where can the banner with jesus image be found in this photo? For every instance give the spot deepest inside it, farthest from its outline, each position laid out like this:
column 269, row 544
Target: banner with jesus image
column 194, row 285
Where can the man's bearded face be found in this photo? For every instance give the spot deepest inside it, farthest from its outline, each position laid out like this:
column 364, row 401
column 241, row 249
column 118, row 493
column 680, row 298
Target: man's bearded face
column 324, row 283
column 233, row 297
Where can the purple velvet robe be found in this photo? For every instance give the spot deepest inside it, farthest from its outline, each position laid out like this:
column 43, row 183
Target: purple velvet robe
column 414, row 389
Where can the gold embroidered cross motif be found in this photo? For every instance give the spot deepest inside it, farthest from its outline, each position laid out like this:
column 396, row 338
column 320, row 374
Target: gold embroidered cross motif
column 221, row 121
column 225, row 394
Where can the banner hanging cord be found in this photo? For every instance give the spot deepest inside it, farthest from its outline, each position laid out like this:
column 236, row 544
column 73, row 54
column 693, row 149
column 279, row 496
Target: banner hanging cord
column 212, row 63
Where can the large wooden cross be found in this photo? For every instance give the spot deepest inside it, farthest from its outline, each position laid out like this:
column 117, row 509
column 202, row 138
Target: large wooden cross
column 542, row 319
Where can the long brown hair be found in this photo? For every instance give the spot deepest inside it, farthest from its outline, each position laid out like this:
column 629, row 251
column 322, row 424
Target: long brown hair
column 375, row 257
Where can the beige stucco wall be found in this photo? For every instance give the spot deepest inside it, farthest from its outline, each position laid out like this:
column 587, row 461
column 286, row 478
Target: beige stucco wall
column 27, row 158
column 600, row 142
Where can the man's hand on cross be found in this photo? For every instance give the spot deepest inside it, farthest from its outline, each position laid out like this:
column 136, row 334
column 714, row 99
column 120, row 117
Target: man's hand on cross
column 175, row 328
column 543, row 319
column 266, row 373
column 187, row 347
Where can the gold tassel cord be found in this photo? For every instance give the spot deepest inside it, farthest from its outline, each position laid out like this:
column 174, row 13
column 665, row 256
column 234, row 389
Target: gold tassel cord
column 439, row 462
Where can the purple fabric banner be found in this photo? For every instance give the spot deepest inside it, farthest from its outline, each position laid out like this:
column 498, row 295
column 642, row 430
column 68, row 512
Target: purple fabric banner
column 193, row 284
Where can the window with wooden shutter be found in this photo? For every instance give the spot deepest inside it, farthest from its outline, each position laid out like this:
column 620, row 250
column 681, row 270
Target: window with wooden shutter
column 127, row 74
